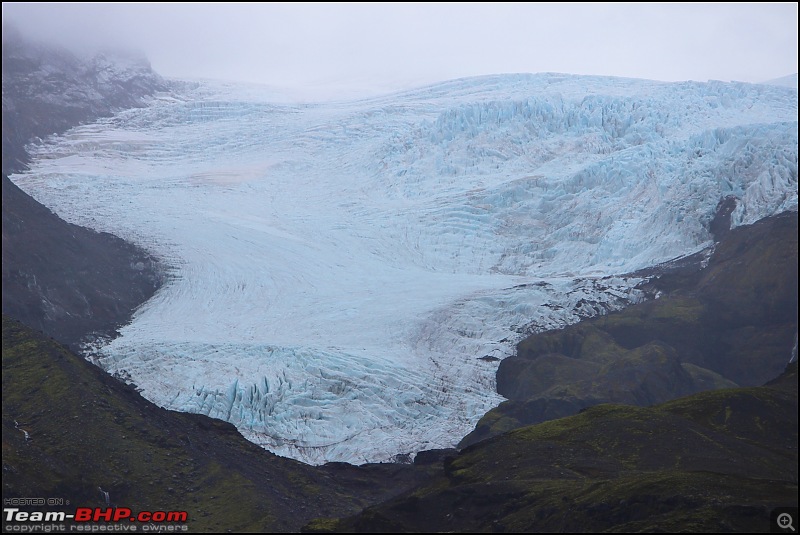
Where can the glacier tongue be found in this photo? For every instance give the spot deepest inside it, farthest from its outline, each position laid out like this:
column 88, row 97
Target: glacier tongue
column 344, row 276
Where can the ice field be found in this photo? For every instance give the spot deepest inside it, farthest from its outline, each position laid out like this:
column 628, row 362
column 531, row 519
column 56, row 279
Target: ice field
column 344, row 276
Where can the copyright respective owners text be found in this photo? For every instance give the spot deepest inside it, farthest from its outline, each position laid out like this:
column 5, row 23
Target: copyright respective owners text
column 55, row 515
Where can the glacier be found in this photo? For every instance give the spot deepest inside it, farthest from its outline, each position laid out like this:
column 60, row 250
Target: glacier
column 344, row 276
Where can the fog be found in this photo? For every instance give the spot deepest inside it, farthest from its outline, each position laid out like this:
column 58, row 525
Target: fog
column 333, row 49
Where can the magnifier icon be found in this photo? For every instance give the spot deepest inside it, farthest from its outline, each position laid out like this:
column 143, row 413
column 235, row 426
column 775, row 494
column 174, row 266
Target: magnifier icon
column 785, row 521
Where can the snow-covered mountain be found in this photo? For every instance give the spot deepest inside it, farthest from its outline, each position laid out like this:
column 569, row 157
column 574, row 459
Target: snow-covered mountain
column 345, row 276
column 47, row 89
column 66, row 280
column 789, row 80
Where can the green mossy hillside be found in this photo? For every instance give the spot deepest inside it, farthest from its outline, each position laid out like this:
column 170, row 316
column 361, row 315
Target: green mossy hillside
column 70, row 429
column 713, row 461
column 733, row 323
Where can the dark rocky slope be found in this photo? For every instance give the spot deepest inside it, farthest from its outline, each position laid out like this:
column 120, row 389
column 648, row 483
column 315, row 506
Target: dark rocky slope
column 69, row 428
column 731, row 323
column 711, row 462
column 65, row 280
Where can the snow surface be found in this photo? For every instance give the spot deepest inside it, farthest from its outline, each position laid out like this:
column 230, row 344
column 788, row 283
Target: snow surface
column 344, row 276
column 784, row 81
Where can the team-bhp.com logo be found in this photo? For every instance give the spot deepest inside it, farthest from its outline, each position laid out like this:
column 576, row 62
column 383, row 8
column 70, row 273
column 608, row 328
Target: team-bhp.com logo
column 118, row 514
column 89, row 518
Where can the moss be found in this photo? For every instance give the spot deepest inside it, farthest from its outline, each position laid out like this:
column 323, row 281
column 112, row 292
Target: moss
column 493, row 423
column 677, row 310
column 599, row 347
column 87, row 430
column 707, row 379
column 322, row 525
column 714, row 461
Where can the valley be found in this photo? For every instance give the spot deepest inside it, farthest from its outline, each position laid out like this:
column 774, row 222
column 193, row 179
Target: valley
column 343, row 278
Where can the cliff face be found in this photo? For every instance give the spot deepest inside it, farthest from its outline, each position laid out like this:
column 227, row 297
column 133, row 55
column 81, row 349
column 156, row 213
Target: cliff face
column 65, row 280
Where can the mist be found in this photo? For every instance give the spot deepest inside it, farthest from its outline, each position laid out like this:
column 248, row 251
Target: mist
column 334, row 49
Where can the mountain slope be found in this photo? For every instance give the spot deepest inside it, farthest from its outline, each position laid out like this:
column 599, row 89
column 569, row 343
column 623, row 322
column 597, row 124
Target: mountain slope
column 48, row 90
column 790, row 80
column 69, row 428
column 63, row 279
column 714, row 461
column 731, row 323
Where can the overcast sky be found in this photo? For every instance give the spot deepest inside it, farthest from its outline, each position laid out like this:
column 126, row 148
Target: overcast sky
column 326, row 48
